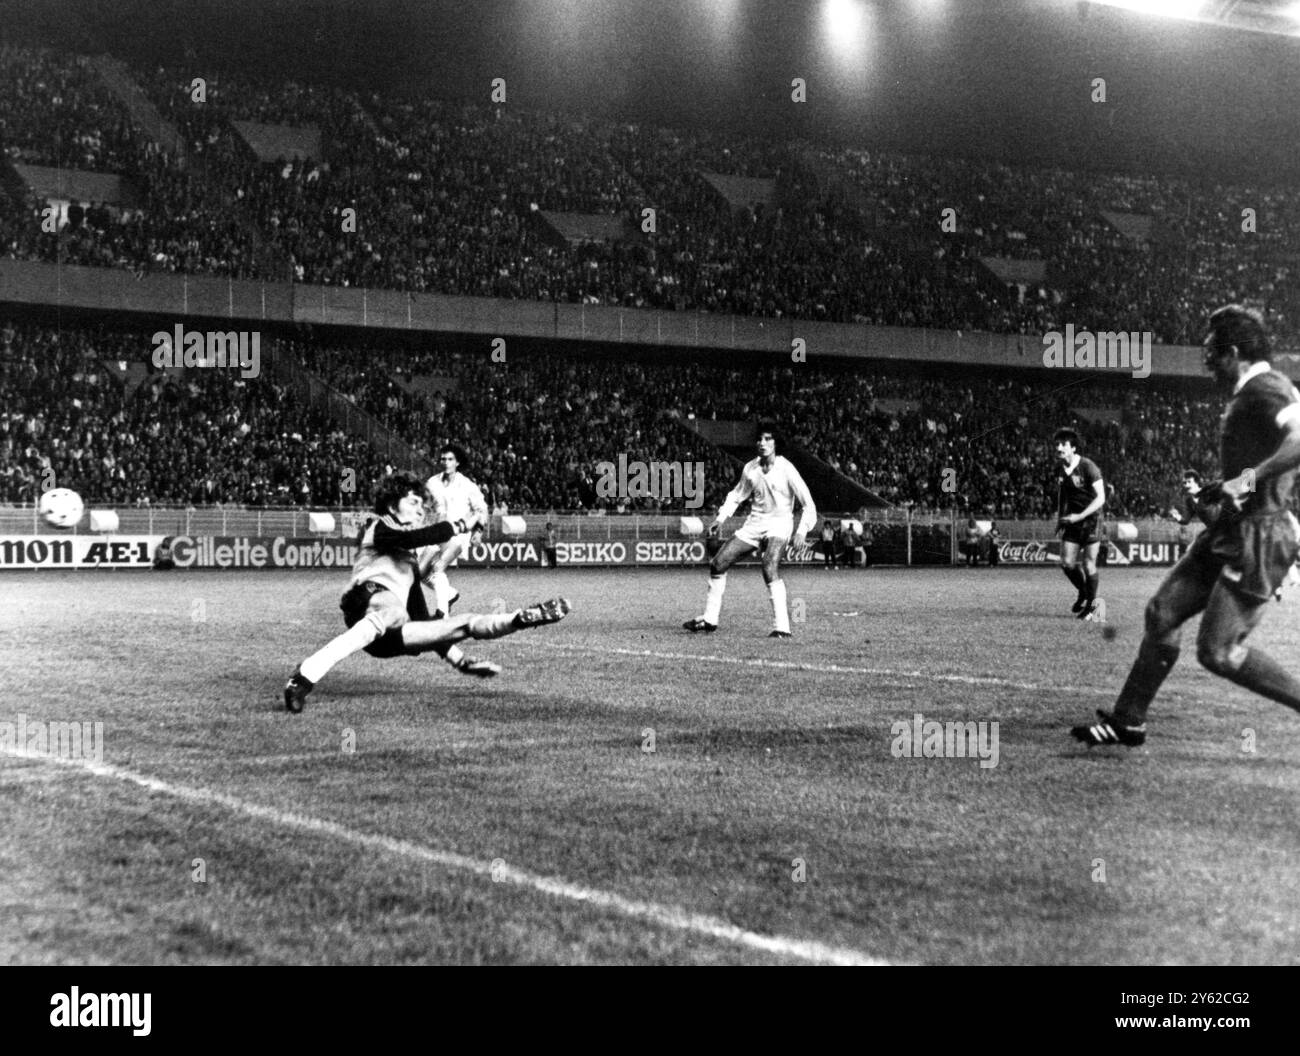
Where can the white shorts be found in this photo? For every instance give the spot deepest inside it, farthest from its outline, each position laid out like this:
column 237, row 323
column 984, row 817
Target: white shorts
column 449, row 551
column 756, row 530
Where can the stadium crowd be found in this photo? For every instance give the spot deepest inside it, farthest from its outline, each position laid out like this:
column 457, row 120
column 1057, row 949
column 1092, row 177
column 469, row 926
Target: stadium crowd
column 83, row 408
column 538, row 426
column 72, row 415
column 449, row 197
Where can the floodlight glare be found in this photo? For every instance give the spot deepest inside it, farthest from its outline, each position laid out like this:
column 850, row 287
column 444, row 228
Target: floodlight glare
column 843, row 18
column 844, row 24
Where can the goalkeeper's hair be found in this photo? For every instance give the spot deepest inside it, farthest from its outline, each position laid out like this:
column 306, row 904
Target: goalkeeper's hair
column 1068, row 435
column 1235, row 324
column 395, row 487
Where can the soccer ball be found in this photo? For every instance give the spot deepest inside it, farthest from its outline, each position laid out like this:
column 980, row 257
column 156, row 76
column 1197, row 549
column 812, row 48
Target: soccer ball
column 61, row 508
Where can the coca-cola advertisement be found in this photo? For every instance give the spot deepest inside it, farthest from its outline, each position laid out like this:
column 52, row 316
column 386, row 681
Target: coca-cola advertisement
column 1040, row 552
column 1029, row 552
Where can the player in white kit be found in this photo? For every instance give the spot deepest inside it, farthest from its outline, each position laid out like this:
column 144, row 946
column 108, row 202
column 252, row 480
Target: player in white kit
column 773, row 486
column 455, row 498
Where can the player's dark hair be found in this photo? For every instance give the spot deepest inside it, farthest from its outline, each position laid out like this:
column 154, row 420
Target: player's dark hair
column 771, row 429
column 1235, row 324
column 1068, row 435
column 455, row 449
column 1191, row 473
column 393, row 488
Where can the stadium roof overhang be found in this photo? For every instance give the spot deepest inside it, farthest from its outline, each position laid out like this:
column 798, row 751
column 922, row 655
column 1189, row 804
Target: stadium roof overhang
column 1280, row 17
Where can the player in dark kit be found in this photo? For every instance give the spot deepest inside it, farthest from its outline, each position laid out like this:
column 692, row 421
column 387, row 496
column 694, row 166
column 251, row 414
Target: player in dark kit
column 1081, row 496
column 1244, row 556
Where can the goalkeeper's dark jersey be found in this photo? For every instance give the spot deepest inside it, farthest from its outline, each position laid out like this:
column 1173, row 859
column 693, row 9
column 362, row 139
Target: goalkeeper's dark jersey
column 1252, row 432
column 388, row 552
column 1076, row 488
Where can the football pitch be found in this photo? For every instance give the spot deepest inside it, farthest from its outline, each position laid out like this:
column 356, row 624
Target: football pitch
column 626, row 792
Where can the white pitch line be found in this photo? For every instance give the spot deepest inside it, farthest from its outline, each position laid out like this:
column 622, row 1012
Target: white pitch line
column 836, row 669
column 672, row 917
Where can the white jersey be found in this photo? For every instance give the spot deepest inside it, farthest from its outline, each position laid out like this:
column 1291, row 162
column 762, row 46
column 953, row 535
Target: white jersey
column 457, row 500
column 772, row 495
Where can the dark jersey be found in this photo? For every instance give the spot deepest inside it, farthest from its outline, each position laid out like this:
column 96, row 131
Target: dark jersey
column 388, row 552
column 1251, row 433
column 1076, row 487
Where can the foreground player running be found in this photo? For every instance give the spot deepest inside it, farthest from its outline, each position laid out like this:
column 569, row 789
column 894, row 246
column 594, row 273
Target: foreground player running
column 455, row 498
column 1242, row 559
column 772, row 485
column 1081, row 496
column 384, row 606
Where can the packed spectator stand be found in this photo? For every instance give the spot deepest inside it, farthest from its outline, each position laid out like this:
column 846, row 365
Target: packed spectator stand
column 447, row 197
column 537, row 428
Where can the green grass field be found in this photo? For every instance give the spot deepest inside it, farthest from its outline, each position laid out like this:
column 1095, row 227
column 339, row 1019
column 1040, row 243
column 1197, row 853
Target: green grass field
column 520, row 820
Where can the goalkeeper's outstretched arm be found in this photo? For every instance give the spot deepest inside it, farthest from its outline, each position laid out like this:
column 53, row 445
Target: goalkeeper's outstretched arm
column 390, row 535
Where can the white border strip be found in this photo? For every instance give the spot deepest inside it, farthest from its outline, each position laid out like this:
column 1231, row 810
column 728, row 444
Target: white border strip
column 671, row 917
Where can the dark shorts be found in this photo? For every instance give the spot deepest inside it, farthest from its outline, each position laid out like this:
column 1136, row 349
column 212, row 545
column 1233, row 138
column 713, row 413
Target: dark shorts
column 1085, row 533
column 371, row 597
column 1254, row 555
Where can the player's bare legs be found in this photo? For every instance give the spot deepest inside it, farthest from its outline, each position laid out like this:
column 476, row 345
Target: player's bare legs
column 1192, row 587
column 386, row 621
column 1079, row 565
column 732, row 551
column 772, row 548
column 385, row 613
column 1088, row 563
column 1181, row 596
column 422, row 636
column 1221, row 647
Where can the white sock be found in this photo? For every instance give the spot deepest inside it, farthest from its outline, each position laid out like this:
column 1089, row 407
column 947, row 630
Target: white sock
column 780, row 615
column 353, row 640
column 441, row 591
column 713, row 606
column 453, row 655
column 496, row 626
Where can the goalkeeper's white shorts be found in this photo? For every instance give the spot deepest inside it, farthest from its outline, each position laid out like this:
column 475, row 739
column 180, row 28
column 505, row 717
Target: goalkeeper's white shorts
column 757, row 530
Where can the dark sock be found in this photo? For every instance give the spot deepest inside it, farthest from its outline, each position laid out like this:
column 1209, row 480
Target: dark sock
column 1262, row 674
column 1075, row 576
column 1152, row 666
column 1092, row 582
